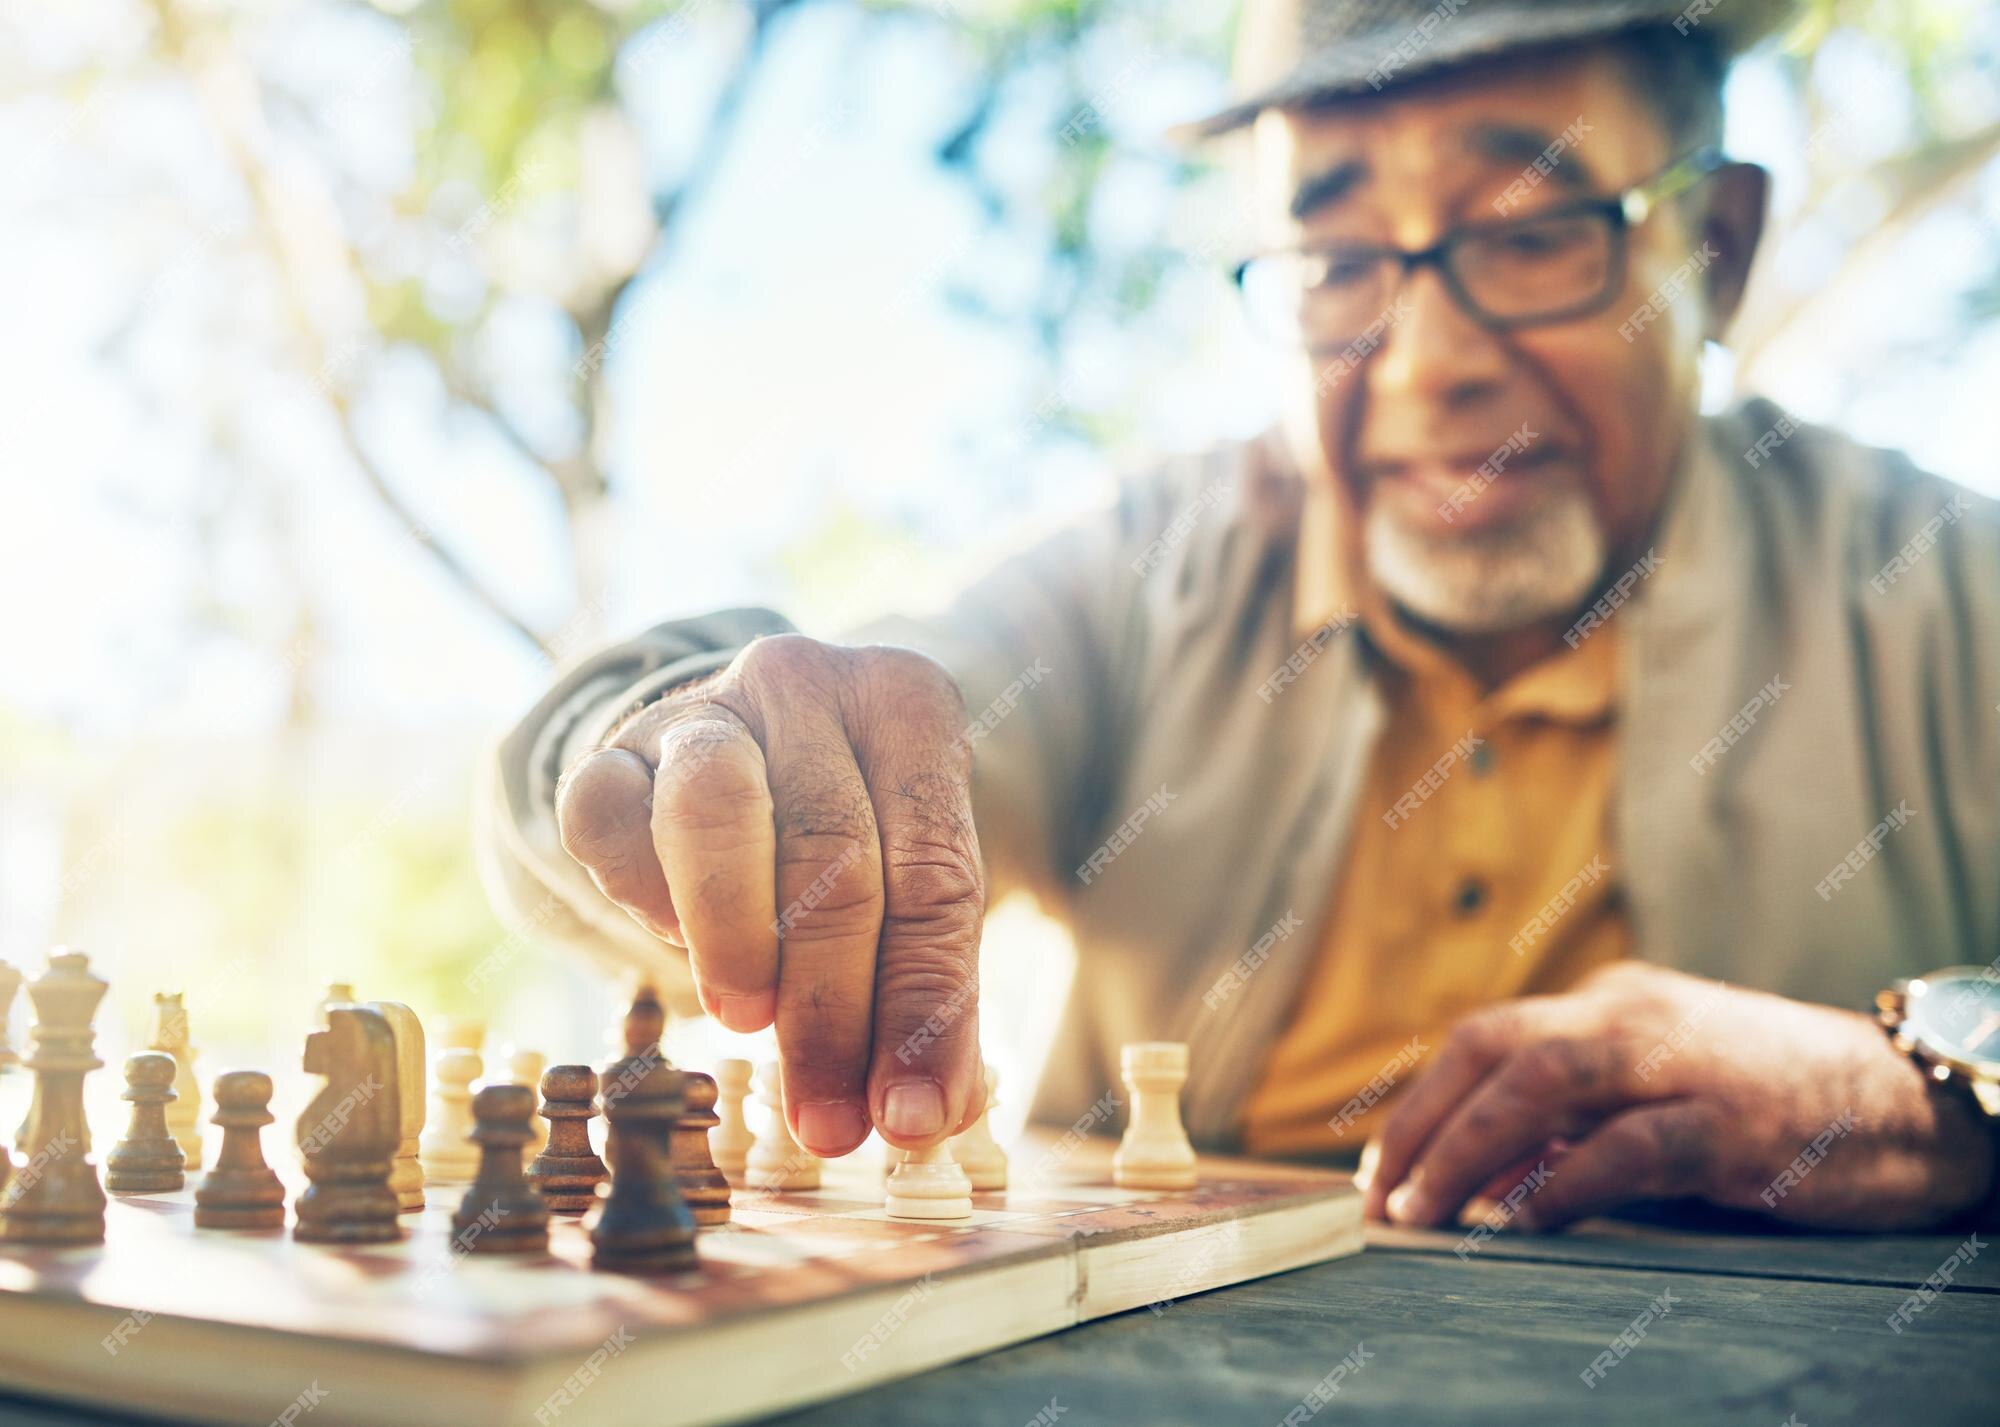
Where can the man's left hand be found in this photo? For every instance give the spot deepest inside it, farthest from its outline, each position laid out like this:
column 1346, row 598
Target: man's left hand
column 1645, row 1083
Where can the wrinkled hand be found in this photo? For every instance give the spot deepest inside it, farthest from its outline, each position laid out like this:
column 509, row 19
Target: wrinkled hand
column 1645, row 1083
column 802, row 824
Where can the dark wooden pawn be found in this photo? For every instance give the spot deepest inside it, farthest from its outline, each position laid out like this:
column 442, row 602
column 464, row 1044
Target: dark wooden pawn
column 501, row 1213
column 241, row 1192
column 568, row 1171
column 642, row 1226
column 147, row 1160
column 701, row 1184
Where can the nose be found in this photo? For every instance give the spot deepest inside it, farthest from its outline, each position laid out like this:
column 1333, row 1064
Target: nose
column 1434, row 351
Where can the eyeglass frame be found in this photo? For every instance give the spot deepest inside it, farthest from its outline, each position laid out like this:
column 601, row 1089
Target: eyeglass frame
column 1626, row 210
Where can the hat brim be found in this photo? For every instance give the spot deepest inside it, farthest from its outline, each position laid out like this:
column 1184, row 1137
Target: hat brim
column 1374, row 62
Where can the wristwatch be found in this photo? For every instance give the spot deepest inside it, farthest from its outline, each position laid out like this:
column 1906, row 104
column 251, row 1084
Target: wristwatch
column 1949, row 1023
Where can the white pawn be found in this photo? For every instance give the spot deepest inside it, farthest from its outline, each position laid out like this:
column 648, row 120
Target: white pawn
column 447, row 1152
column 731, row 1142
column 1155, row 1153
column 927, row 1184
column 777, row 1161
column 984, row 1162
column 525, row 1067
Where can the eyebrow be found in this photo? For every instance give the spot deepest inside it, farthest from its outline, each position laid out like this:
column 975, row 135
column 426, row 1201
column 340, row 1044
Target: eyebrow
column 1323, row 190
column 1509, row 143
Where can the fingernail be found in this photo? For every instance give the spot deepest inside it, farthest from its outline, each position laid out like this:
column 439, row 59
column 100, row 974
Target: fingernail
column 913, row 1109
column 1364, row 1172
column 830, row 1128
column 1405, row 1204
column 747, row 1013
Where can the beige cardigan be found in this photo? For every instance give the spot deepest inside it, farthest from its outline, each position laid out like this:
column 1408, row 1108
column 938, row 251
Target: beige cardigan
column 1816, row 843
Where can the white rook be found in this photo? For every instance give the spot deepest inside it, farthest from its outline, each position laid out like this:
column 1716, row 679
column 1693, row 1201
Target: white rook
column 1155, row 1153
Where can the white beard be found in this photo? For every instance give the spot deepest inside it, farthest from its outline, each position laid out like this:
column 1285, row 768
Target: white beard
column 1501, row 577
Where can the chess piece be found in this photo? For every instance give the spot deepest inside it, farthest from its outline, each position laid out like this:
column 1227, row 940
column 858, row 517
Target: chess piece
column 730, row 1142
column 645, row 1022
column 1155, row 1153
column 465, row 1033
column 501, row 1213
column 448, row 1154
column 148, row 1160
column 55, row 1198
column 927, row 1184
column 702, row 1187
column 348, row 1134
column 777, row 1160
column 406, row 1171
column 10, row 983
column 642, row 1226
column 976, row 1151
column 241, row 1192
column 338, row 993
column 567, row 1171
column 524, row 1067
column 170, row 1034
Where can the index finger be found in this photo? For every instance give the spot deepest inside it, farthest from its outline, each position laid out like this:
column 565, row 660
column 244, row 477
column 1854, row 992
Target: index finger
column 1472, row 1049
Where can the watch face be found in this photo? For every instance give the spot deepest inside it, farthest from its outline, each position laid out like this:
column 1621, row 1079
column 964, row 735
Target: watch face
column 1957, row 1014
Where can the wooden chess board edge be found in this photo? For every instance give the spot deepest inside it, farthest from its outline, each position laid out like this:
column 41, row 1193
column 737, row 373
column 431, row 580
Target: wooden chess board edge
column 1130, row 1272
column 168, row 1367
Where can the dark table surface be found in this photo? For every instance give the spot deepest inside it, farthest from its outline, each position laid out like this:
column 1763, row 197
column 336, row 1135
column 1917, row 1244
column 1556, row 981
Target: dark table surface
column 1758, row 1328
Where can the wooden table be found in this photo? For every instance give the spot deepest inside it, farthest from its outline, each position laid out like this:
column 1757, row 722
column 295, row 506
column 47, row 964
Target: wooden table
column 1759, row 1328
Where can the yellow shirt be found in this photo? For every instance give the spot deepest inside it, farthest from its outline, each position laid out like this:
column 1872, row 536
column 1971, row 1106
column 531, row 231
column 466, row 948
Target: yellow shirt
column 1495, row 880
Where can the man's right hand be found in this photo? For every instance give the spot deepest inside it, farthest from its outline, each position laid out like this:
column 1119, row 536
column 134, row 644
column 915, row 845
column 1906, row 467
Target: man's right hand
column 802, row 824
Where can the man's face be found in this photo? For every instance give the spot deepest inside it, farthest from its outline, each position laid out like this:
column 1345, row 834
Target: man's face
column 1493, row 473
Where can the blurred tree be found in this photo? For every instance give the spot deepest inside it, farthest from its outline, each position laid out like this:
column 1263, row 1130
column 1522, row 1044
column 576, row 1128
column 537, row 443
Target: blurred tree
column 1901, row 117
column 529, row 190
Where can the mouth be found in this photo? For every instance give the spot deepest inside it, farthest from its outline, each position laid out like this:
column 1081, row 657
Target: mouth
column 1468, row 489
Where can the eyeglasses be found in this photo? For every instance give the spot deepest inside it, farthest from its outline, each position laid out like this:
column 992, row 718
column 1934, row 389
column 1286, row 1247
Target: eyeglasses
column 1552, row 266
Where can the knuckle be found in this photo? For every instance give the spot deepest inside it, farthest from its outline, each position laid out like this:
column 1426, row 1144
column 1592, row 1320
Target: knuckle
column 597, row 812
column 1485, row 1033
column 810, row 811
column 926, row 998
column 784, row 662
column 711, row 776
column 936, row 895
column 934, row 856
column 1547, row 1066
column 908, row 672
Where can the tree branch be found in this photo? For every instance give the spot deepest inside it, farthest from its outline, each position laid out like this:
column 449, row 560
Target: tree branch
column 256, row 184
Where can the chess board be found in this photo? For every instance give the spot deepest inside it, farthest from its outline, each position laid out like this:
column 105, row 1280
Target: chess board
column 805, row 1296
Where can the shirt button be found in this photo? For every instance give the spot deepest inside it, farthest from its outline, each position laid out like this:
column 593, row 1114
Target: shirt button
column 1482, row 758
column 1469, row 898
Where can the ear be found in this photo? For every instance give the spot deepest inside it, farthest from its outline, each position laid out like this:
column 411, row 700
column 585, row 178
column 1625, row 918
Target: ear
column 1733, row 225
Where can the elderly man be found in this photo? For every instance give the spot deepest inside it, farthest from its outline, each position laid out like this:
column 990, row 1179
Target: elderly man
column 1500, row 762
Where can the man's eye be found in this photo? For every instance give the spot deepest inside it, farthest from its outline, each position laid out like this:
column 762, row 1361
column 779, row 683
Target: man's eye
column 1552, row 240
column 1342, row 269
